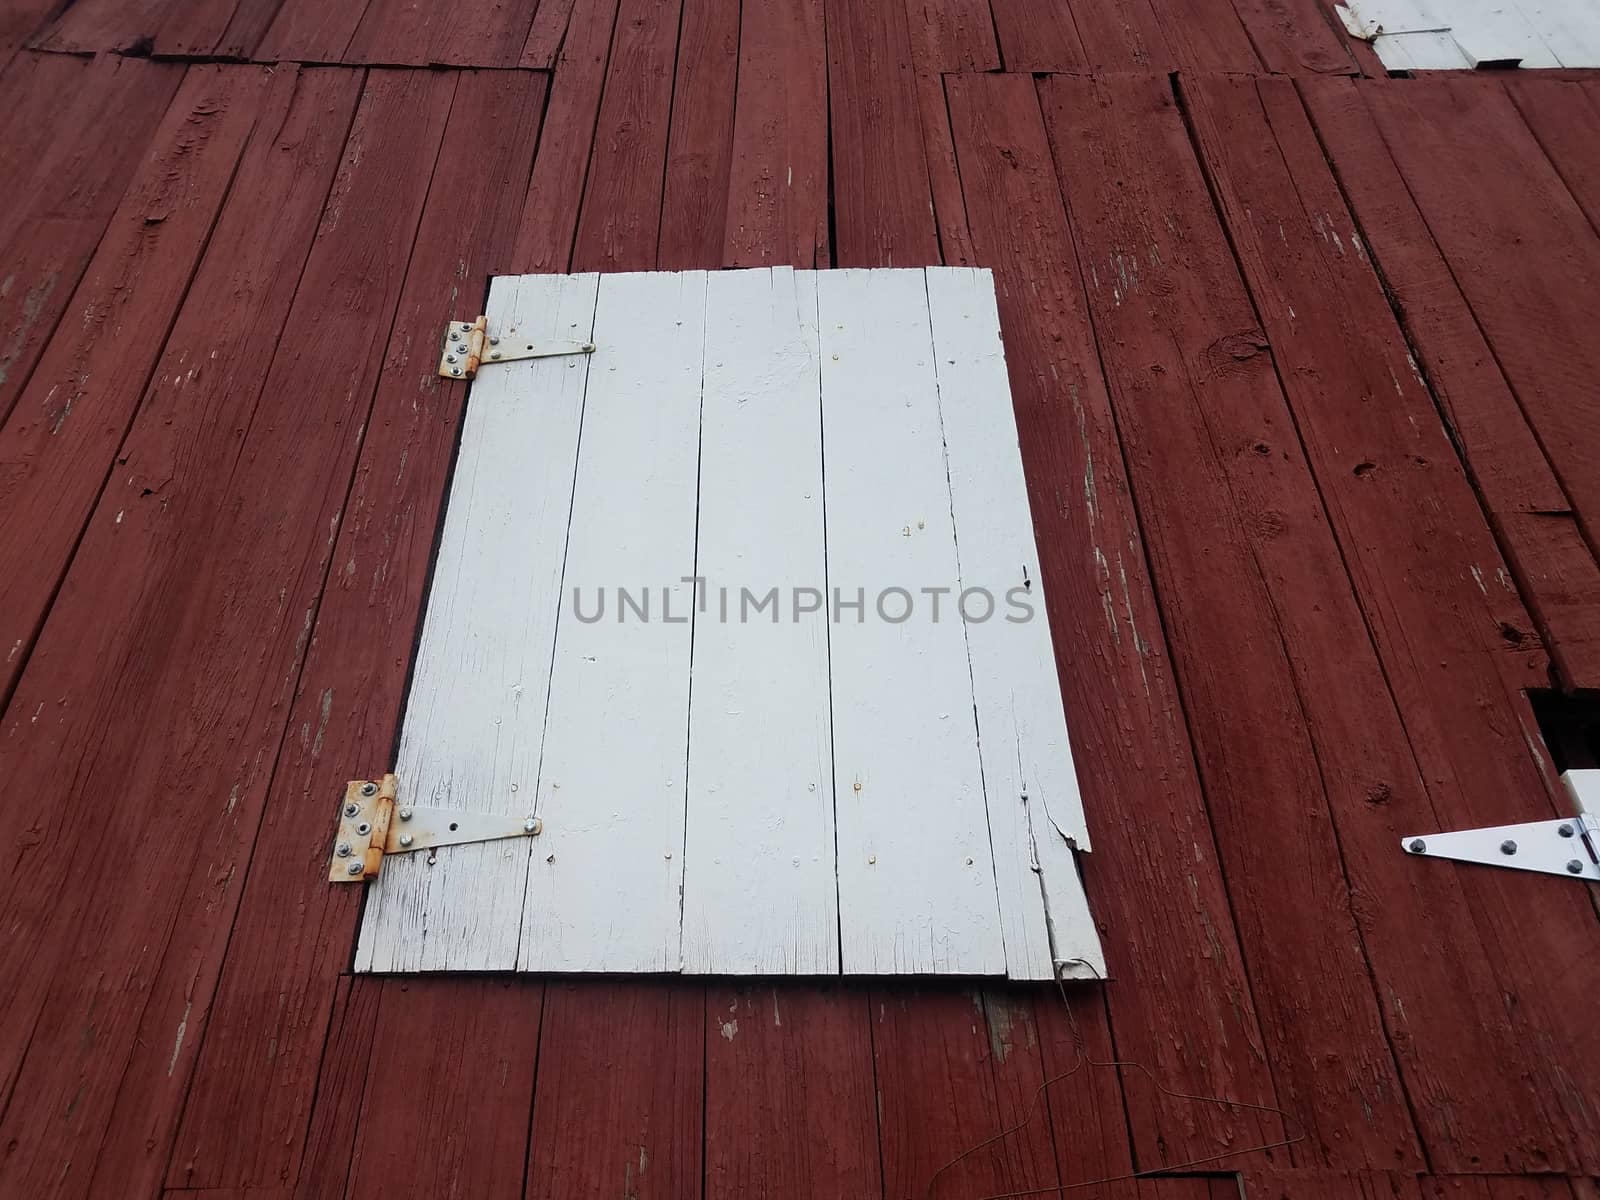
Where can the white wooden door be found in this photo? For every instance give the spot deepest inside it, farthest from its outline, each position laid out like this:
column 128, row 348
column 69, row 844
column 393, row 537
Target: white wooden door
column 745, row 608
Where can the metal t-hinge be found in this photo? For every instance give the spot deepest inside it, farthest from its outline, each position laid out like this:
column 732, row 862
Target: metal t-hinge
column 469, row 344
column 372, row 825
column 1565, row 846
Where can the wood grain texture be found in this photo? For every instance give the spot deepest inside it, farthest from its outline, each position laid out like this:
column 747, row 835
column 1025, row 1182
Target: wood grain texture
column 621, row 214
column 916, row 878
column 547, row 34
column 1207, row 35
column 308, row 31
column 778, row 183
column 620, row 1104
column 94, row 26
column 1031, row 789
column 952, row 35
column 63, row 199
column 790, row 1092
column 204, row 552
column 883, row 212
column 225, row 28
column 604, row 888
column 556, row 190
column 469, row 33
column 949, row 207
column 759, row 890
column 1038, row 37
column 694, row 201
column 1561, row 115
column 1183, row 1007
column 56, row 448
column 476, row 710
column 31, row 88
column 1556, row 572
column 1295, row 37
column 1210, row 444
column 293, row 932
column 1432, row 591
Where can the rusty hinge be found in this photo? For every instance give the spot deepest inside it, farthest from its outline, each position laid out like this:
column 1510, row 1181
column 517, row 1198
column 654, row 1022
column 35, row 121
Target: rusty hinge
column 469, row 344
column 372, row 825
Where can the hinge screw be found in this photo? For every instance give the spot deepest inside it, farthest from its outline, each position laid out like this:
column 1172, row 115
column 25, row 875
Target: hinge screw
column 494, row 354
column 449, row 358
column 405, row 814
column 1417, row 846
column 1508, row 847
column 455, row 335
column 455, row 370
column 1565, row 830
column 342, row 849
column 532, row 825
column 355, row 867
column 494, row 341
column 406, row 839
column 352, row 809
column 369, row 788
column 1575, row 867
column 363, row 829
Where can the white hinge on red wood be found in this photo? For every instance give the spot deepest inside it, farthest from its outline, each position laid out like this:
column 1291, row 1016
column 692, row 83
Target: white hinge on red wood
column 1567, row 846
column 371, row 824
column 467, row 345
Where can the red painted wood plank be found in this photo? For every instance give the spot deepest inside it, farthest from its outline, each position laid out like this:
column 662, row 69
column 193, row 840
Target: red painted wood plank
column 546, row 34
column 883, row 210
column 57, row 446
column 31, row 89
column 1494, row 205
column 1038, row 36
column 211, row 555
column 789, row 1092
column 293, row 934
column 1182, row 1005
column 619, row 1106
column 49, row 232
column 949, row 206
column 311, row 31
column 694, row 204
column 555, row 193
column 1185, row 361
column 1206, row 35
column 1564, row 118
column 952, row 35
column 1295, row 37
column 1082, row 1102
column 1276, row 1183
column 622, row 206
column 778, row 186
column 955, row 1070
column 1123, row 35
column 448, row 1090
column 227, row 28
column 467, row 33
column 1446, row 623
column 18, row 21
column 1532, row 517
column 90, row 26
column 346, row 1062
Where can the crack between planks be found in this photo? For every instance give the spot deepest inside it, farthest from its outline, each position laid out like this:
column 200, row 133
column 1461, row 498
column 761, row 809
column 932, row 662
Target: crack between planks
column 594, row 132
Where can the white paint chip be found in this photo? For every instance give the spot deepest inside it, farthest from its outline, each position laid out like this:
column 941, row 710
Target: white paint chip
column 746, row 608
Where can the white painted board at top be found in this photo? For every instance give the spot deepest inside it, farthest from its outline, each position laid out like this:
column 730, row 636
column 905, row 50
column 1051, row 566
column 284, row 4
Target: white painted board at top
column 1422, row 35
column 800, row 797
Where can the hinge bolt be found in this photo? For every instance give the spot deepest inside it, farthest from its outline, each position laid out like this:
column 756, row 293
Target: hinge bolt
column 494, row 354
column 352, row 809
column 355, row 867
column 406, row 839
column 342, row 849
column 455, row 335
column 1565, row 830
column 494, row 341
column 532, row 825
column 363, row 829
column 1575, row 867
column 455, row 370
column 1417, row 846
column 449, row 358
column 369, row 788
column 1508, row 847
column 405, row 814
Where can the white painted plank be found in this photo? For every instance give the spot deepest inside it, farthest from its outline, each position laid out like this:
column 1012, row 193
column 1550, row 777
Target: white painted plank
column 1420, row 52
column 604, row 887
column 1031, row 786
column 1571, row 28
column 476, row 709
column 916, row 873
column 1498, row 33
column 759, row 888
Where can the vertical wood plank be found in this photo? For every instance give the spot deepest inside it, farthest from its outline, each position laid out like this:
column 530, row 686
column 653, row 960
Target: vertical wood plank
column 1182, row 1007
column 778, row 187
column 1295, row 37
column 219, row 552
column 952, row 35
column 293, row 935
column 57, row 446
column 311, row 31
column 759, row 893
column 1035, row 812
column 694, row 202
column 883, row 212
column 790, row 1093
column 1532, row 517
column 916, row 876
column 468, row 33
column 604, row 891
column 1038, row 36
column 620, row 1104
column 555, row 192
column 475, row 711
